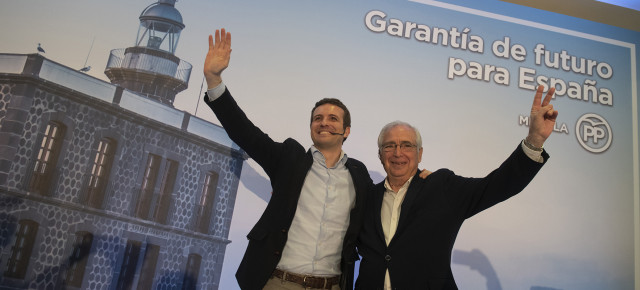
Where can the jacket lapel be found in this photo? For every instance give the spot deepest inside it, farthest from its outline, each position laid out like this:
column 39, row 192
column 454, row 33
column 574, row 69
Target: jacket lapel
column 358, row 183
column 414, row 190
column 377, row 210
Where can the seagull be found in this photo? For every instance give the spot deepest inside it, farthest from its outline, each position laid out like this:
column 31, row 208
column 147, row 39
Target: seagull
column 85, row 69
column 40, row 49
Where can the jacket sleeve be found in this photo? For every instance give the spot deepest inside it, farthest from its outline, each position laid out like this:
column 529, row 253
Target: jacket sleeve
column 473, row 195
column 243, row 132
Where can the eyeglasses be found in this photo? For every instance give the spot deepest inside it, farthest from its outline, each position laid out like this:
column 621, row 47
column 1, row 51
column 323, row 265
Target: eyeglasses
column 404, row 147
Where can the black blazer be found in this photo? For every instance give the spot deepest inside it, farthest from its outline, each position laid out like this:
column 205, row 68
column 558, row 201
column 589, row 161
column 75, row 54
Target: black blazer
column 286, row 164
column 419, row 254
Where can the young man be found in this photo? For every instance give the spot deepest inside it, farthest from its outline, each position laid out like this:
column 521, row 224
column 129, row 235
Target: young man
column 306, row 236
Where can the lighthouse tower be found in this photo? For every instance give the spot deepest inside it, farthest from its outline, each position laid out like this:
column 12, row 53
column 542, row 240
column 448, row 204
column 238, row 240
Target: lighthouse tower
column 150, row 67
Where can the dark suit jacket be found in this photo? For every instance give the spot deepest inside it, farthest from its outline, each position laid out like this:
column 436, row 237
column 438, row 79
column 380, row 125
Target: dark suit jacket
column 287, row 164
column 419, row 254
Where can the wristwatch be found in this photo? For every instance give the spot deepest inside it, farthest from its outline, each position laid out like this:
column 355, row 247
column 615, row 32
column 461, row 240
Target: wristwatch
column 530, row 146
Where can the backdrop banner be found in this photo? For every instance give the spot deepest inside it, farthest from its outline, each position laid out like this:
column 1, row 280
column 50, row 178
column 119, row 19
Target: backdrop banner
column 463, row 73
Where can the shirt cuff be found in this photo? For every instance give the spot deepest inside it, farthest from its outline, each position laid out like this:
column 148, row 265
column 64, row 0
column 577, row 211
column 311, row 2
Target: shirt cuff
column 534, row 155
column 214, row 93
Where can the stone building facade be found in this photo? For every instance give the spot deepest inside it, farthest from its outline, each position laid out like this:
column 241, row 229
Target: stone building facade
column 103, row 188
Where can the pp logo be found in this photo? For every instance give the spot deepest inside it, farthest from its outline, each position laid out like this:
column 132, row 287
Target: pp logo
column 593, row 133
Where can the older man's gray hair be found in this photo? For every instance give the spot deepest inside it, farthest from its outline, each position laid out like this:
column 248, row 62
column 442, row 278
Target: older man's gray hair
column 394, row 124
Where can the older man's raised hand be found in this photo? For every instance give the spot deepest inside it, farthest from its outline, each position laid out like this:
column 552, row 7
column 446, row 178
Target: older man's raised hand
column 542, row 119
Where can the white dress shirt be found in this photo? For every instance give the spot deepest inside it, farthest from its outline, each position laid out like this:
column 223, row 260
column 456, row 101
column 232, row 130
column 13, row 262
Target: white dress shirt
column 314, row 244
column 390, row 213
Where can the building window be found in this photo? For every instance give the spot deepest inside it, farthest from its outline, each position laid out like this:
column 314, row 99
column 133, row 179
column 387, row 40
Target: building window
column 100, row 172
column 190, row 279
column 154, row 205
column 45, row 164
column 205, row 206
column 148, row 270
column 21, row 250
column 78, row 259
column 166, row 191
column 128, row 267
column 148, row 186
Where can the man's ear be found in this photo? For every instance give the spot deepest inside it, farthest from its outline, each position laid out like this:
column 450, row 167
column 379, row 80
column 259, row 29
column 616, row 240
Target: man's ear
column 347, row 131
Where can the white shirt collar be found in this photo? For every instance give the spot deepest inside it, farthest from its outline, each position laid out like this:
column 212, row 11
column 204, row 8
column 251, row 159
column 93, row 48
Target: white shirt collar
column 318, row 156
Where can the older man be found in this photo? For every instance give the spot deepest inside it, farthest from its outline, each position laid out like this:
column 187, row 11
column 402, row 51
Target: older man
column 410, row 224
